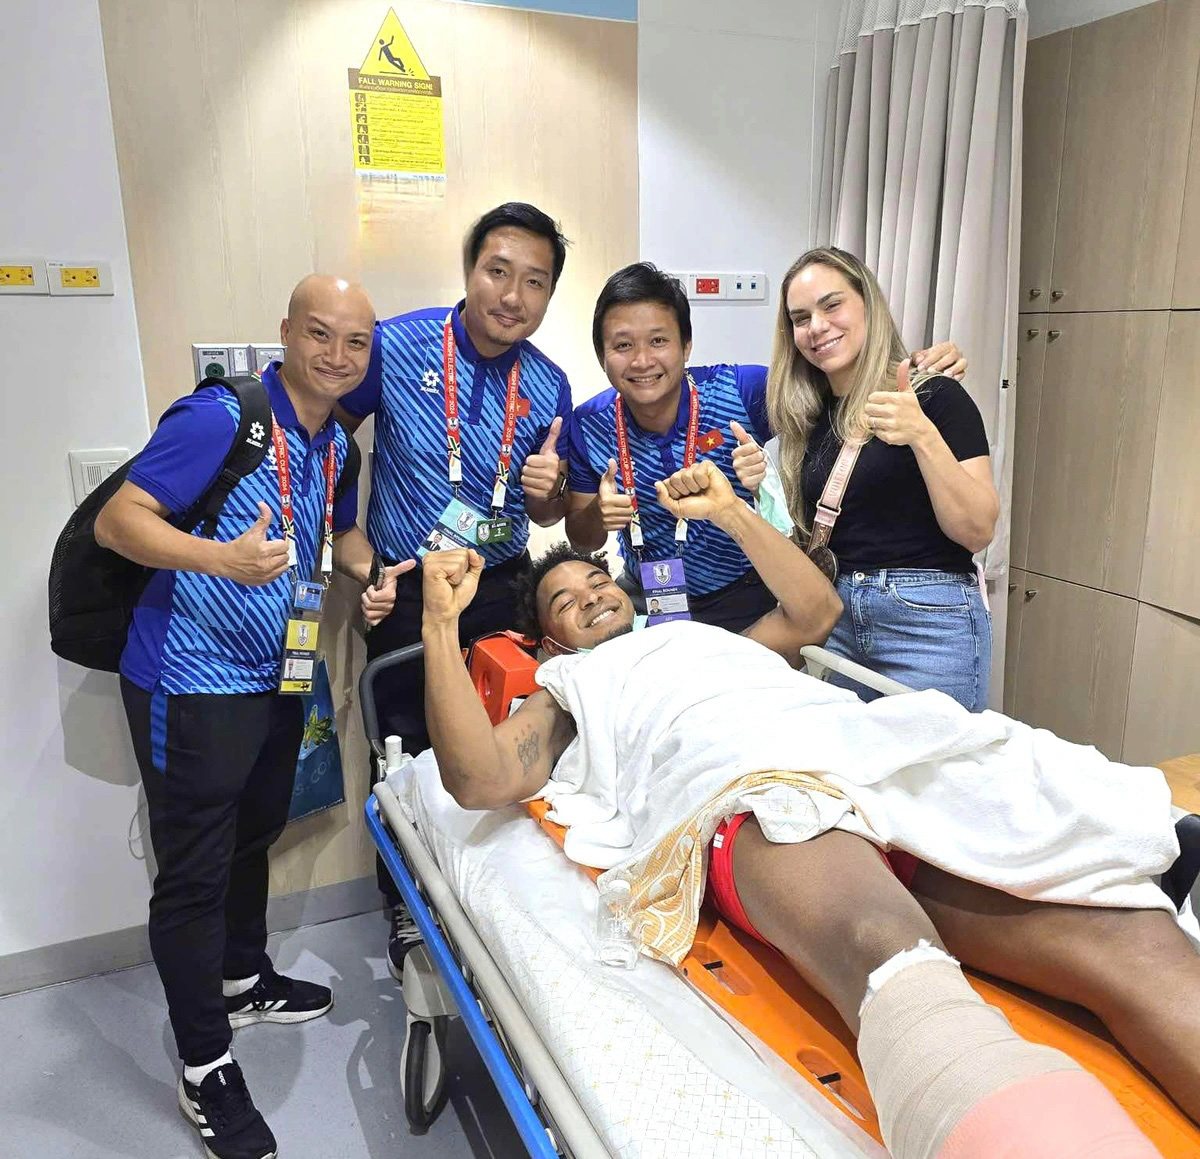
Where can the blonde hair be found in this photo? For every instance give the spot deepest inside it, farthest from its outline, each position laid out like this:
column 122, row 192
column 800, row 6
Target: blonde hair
column 797, row 391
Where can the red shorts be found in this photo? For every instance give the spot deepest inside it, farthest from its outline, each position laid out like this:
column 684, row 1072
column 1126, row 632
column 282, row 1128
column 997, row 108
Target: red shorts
column 723, row 893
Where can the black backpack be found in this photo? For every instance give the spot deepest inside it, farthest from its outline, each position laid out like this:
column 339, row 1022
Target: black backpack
column 93, row 591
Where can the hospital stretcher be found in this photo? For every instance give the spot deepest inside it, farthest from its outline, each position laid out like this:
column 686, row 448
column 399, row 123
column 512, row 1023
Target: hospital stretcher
column 454, row 974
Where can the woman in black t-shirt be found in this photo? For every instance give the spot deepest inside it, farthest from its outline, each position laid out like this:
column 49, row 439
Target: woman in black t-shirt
column 920, row 501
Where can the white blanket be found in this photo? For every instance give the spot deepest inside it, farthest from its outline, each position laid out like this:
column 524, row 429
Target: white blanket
column 669, row 716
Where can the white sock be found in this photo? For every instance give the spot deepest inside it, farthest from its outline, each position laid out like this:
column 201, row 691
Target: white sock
column 232, row 987
column 197, row 1074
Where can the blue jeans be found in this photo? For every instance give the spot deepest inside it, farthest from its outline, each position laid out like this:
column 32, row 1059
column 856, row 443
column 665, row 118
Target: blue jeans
column 927, row 629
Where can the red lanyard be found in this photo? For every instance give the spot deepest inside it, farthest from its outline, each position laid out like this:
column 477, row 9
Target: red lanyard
column 626, row 461
column 454, row 439
column 285, row 500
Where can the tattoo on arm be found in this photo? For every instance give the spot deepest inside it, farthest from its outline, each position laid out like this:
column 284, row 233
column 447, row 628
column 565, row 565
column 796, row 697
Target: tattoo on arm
column 529, row 749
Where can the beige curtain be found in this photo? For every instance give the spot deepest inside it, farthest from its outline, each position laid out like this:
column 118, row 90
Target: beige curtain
column 921, row 177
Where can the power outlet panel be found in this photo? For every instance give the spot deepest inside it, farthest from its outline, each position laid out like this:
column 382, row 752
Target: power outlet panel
column 23, row 276
column 718, row 286
column 86, row 277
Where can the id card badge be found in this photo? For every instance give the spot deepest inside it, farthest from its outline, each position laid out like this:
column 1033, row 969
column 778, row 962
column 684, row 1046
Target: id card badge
column 665, row 589
column 456, row 527
column 489, row 531
column 299, row 655
column 308, row 596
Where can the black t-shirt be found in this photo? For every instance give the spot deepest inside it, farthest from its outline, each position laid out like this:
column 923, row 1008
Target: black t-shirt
column 887, row 517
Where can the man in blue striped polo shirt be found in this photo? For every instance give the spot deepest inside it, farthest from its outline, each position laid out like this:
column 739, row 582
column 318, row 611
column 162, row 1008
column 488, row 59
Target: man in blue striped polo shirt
column 671, row 415
column 642, row 334
column 215, row 738
column 470, row 422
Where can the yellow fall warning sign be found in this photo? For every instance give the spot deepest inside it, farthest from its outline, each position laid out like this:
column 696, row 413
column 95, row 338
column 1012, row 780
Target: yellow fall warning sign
column 396, row 109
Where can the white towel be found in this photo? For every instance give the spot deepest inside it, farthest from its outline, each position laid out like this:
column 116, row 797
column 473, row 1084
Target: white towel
column 668, row 716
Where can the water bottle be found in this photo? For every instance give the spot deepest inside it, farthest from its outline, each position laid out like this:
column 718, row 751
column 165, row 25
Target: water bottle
column 616, row 944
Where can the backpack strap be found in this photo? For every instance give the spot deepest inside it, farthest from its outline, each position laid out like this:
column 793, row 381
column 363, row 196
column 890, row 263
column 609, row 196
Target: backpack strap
column 247, row 451
column 351, row 465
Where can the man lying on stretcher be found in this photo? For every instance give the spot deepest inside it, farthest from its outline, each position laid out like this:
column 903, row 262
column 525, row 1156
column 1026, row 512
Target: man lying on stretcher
column 660, row 740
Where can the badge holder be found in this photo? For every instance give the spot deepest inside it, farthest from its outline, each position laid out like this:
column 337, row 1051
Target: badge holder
column 665, row 588
column 298, row 669
column 456, row 527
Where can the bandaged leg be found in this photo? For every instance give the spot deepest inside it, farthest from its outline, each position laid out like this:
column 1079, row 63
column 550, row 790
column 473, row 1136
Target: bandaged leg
column 952, row 1080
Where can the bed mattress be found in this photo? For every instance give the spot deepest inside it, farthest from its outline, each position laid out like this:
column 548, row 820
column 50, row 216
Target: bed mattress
column 657, row 1070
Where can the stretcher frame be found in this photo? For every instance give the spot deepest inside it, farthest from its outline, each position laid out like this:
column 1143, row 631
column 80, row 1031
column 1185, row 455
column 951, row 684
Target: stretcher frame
column 468, row 983
column 439, row 976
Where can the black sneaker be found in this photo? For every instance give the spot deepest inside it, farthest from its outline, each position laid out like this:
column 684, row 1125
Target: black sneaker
column 274, row 998
column 228, row 1121
column 403, row 937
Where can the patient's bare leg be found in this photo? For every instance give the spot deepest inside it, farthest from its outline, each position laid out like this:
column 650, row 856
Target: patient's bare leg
column 831, row 905
column 1135, row 969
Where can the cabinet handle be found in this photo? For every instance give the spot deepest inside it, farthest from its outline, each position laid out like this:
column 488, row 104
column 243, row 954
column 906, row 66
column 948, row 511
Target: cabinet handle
column 1035, row 292
column 1030, row 593
column 1032, row 333
column 1052, row 334
column 1056, row 294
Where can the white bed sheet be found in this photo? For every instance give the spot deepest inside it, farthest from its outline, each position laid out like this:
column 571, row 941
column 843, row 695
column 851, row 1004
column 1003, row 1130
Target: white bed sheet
column 658, row 1071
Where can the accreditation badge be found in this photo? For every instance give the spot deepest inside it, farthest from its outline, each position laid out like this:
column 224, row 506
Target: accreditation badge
column 665, row 589
column 308, row 596
column 489, row 531
column 456, row 527
column 299, row 655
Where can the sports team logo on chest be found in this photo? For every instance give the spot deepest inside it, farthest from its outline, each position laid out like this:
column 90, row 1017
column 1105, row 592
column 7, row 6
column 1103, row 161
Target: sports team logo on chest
column 431, row 382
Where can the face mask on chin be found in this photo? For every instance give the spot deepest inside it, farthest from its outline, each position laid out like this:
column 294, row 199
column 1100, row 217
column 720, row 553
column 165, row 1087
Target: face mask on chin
column 639, row 622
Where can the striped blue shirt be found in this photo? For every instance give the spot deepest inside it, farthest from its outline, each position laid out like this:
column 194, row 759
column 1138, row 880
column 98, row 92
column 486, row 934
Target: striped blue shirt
column 410, row 487
column 727, row 393
column 203, row 633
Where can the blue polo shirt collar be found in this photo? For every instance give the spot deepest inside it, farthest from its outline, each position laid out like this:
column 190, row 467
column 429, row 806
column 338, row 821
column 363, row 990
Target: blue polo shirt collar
column 502, row 362
column 285, row 412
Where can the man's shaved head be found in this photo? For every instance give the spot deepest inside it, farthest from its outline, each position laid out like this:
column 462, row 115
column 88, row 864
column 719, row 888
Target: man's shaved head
column 317, row 293
column 327, row 337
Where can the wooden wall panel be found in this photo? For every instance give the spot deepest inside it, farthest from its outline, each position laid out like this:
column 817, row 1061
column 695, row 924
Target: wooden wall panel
column 1012, row 642
column 1095, row 447
column 1031, row 364
column 1074, row 664
column 237, row 177
column 1047, row 67
column 1163, row 720
column 1129, row 116
column 234, row 147
column 1172, row 548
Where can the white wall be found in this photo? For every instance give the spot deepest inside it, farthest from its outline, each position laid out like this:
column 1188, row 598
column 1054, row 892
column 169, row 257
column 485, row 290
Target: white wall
column 72, row 378
column 731, row 97
column 1046, row 16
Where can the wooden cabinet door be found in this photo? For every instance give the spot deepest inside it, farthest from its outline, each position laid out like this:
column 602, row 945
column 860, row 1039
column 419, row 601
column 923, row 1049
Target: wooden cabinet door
column 1164, row 689
column 1095, row 447
column 1012, row 638
column 1047, row 67
column 1125, row 155
column 1031, row 359
column 1076, row 651
column 1171, row 561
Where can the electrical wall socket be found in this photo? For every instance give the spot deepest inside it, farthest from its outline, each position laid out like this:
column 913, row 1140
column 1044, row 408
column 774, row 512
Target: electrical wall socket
column 746, row 287
column 23, row 276
column 83, row 277
column 716, row 286
column 262, row 354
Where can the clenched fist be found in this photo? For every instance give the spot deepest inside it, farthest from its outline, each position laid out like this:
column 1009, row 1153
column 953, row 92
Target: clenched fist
column 698, row 492
column 449, row 580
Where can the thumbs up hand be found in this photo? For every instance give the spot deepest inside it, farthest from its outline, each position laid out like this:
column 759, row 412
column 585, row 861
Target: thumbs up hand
column 749, row 459
column 616, row 509
column 895, row 416
column 541, row 474
column 252, row 558
column 379, row 599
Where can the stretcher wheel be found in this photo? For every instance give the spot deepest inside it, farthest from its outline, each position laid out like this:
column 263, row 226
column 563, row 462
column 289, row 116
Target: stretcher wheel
column 424, row 1082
